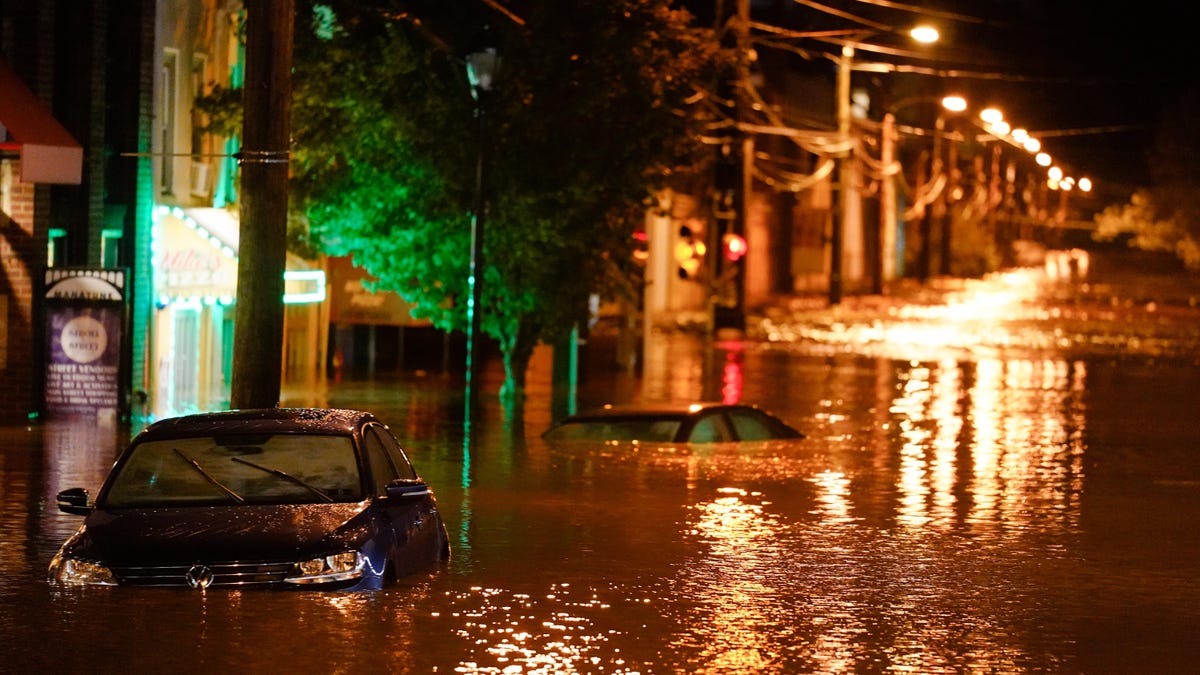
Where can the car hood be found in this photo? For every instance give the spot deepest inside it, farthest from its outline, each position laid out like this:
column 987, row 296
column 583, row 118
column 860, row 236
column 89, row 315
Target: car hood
column 220, row 533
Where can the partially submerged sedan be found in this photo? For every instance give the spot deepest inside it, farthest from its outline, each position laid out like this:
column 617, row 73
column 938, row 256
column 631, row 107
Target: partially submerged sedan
column 287, row 498
column 672, row 423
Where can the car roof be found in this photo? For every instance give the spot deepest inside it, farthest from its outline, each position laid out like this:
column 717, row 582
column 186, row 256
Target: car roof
column 258, row 421
column 653, row 410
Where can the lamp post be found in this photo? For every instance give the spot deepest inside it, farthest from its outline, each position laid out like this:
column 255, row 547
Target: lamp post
column 481, row 72
column 888, row 220
column 845, row 63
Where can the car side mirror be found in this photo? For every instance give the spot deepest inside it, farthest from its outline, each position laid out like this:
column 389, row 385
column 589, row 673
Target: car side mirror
column 407, row 489
column 74, row 501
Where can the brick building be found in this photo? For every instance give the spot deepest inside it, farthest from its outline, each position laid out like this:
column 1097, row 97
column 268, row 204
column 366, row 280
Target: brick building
column 75, row 102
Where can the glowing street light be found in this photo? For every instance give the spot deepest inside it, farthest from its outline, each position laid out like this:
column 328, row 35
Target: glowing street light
column 889, row 257
column 924, row 34
column 954, row 103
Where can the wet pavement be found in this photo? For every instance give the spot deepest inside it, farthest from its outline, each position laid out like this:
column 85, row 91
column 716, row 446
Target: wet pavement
column 998, row 476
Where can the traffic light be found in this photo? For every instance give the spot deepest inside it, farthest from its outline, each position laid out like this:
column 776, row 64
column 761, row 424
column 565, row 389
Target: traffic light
column 689, row 253
column 733, row 246
column 641, row 247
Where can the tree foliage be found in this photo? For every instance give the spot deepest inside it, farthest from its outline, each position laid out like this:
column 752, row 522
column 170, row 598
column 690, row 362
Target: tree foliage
column 1166, row 215
column 590, row 110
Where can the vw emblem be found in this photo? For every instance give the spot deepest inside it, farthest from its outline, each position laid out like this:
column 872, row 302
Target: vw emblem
column 199, row 576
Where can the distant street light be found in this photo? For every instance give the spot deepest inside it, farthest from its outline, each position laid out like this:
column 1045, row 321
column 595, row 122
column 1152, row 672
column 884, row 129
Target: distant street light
column 954, row 103
column 888, row 222
column 923, row 34
column 481, row 72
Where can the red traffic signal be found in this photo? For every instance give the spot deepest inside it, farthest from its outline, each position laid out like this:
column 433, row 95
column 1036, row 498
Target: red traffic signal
column 641, row 247
column 734, row 247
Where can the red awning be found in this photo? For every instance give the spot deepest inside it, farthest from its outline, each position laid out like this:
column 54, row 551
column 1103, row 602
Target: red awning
column 48, row 152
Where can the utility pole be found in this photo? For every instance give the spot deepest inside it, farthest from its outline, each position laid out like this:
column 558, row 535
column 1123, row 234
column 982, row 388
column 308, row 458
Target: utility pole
column 262, row 249
column 732, row 178
column 887, row 204
column 947, row 202
column 842, row 204
column 928, row 214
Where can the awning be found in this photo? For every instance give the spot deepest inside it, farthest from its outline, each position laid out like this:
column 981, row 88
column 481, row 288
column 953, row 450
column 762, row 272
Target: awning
column 48, row 152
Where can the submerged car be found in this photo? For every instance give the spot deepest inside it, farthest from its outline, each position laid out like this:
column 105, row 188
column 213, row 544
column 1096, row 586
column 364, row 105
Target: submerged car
column 666, row 423
column 299, row 498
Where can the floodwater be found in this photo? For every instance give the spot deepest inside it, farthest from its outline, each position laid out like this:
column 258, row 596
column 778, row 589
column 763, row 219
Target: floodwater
column 967, row 500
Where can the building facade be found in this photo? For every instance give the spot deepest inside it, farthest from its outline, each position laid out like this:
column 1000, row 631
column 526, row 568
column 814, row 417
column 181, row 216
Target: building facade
column 74, row 107
column 106, row 166
column 198, row 49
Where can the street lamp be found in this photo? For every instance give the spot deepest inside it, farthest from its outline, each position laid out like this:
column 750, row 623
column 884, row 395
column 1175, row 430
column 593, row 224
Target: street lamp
column 481, row 72
column 923, row 34
column 888, row 263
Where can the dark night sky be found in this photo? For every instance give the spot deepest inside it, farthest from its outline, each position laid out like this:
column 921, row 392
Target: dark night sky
column 1092, row 76
column 1111, row 68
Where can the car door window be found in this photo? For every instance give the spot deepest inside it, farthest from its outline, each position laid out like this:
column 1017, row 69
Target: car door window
column 751, row 425
column 710, row 428
column 404, row 468
column 383, row 469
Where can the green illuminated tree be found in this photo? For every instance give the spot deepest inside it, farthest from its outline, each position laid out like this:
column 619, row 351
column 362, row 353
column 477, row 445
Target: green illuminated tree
column 590, row 110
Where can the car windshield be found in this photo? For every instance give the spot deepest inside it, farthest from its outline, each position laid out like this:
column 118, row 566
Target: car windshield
column 260, row 469
column 646, row 429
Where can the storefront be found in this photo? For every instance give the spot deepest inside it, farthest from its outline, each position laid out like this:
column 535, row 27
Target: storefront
column 373, row 331
column 195, row 263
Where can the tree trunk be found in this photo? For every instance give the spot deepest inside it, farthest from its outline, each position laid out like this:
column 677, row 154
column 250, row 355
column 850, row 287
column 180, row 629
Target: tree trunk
column 517, row 351
column 262, row 250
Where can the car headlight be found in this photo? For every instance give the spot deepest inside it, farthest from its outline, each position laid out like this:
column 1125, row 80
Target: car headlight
column 337, row 567
column 74, row 572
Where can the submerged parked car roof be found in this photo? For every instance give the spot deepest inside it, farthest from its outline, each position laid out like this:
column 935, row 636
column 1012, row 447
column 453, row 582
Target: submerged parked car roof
column 701, row 422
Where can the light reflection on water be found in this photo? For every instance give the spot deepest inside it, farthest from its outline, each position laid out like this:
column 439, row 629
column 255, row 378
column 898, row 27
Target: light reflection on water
column 949, row 511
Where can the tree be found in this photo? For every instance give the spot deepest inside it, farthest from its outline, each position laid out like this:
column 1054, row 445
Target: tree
column 1165, row 216
column 590, row 111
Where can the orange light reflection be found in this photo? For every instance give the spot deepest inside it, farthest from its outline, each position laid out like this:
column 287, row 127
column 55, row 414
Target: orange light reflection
column 1020, row 422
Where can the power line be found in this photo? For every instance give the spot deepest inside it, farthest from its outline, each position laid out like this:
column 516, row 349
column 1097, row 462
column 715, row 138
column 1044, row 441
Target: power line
column 924, row 11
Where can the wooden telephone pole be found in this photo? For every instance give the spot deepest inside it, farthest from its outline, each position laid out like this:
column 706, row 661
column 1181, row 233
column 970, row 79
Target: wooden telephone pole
column 732, row 175
column 262, row 249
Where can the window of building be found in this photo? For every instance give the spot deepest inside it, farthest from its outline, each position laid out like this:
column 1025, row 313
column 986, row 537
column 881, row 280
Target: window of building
column 200, row 177
column 110, row 248
column 166, row 120
column 56, row 247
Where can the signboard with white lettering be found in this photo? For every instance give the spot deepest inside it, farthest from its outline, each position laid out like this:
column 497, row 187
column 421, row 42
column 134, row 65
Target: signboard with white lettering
column 193, row 262
column 85, row 320
column 353, row 302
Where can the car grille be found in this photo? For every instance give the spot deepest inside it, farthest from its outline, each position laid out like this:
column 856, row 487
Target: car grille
column 222, row 574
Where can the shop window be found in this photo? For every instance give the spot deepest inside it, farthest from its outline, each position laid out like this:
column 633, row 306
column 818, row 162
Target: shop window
column 185, row 386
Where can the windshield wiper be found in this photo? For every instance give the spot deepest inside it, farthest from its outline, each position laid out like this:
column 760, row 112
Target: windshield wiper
column 199, row 469
column 286, row 476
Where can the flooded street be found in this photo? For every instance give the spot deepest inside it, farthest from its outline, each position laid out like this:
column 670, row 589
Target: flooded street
column 975, row 494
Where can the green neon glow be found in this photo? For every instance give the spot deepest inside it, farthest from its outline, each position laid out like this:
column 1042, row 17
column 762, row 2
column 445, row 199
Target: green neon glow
column 316, row 276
